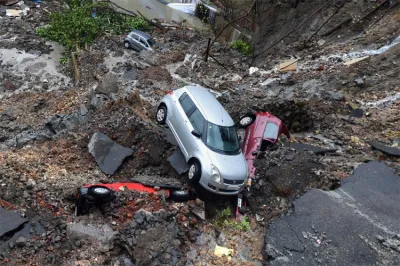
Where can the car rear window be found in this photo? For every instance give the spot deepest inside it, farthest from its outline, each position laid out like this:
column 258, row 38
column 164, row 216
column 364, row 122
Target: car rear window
column 187, row 104
column 271, row 131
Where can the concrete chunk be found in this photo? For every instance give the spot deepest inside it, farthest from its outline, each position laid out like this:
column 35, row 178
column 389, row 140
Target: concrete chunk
column 108, row 154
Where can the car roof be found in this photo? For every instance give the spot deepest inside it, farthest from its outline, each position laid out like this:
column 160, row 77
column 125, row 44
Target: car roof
column 142, row 34
column 209, row 106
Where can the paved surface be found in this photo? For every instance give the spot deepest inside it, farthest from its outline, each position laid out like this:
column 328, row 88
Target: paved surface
column 357, row 224
column 178, row 162
column 9, row 221
column 108, row 154
column 309, row 147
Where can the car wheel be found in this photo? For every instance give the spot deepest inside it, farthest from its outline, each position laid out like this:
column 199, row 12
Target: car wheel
column 181, row 195
column 194, row 172
column 99, row 192
column 246, row 120
column 126, row 44
column 78, row 205
column 161, row 115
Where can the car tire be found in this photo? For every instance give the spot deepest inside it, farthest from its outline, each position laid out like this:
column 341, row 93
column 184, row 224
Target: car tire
column 194, row 173
column 127, row 45
column 246, row 120
column 161, row 115
column 181, row 195
column 99, row 192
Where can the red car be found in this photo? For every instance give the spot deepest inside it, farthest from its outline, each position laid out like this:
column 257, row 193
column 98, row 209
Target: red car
column 262, row 129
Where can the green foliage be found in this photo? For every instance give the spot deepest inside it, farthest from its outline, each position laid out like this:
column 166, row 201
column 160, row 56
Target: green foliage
column 242, row 47
column 223, row 221
column 75, row 25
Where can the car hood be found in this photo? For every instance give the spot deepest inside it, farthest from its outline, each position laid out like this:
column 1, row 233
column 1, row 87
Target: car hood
column 232, row 167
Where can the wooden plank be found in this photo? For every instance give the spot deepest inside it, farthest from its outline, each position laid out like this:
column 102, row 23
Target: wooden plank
column 354, row 60
column 289, row 65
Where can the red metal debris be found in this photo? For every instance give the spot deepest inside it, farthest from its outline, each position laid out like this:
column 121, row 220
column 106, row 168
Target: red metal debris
column 6, row 205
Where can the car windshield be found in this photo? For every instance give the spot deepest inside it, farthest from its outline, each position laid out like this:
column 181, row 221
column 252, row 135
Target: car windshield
column 222, row 139
column 271, row 131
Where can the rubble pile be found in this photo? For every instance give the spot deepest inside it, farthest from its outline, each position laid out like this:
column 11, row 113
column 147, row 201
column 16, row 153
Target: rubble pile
column 341, row 110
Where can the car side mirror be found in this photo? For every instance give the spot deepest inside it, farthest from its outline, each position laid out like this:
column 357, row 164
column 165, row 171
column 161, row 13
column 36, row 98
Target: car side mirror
column 196, row 133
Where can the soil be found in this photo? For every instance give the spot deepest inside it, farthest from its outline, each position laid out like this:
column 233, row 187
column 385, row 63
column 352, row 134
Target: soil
column 48, row 118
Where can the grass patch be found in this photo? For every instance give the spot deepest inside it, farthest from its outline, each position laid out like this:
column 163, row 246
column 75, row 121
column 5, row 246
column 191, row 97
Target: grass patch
column 224, row 222
column 81, row 22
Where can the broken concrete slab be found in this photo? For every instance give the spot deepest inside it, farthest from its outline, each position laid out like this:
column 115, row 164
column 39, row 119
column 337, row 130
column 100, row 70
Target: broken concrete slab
column 108, row 85
column 108, row 154
column 178, row 162
column 27, row 230
column 10, row 221
column 80, row 231
column 308, row 147
column 340, row 227
column 394, row 151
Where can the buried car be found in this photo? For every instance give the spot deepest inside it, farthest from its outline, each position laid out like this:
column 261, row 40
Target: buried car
column 96, row 194
column 207, row 137
column 262, row 129
column 139, row 41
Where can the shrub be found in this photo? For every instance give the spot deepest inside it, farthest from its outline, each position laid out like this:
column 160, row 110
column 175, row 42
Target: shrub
column 242, row 47
column 76, row 25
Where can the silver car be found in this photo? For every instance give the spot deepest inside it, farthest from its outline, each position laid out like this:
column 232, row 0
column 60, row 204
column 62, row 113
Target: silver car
column 207, row 137
column 139, row 40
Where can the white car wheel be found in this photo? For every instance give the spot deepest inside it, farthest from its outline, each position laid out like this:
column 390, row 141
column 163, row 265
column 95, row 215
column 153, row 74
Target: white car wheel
column 192, row 170
column 160, row 115
column 245, row 121
column 126, row 44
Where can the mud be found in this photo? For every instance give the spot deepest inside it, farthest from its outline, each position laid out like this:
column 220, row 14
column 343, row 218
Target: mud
column 48, row 118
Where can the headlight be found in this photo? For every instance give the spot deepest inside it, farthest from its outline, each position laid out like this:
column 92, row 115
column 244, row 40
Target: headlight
column 215, row 175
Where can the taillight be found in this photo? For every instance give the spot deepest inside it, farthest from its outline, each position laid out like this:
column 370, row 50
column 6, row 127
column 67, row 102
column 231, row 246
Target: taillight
column 171, row 92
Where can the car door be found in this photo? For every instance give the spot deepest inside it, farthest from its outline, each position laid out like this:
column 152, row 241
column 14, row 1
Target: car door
column 196, row 122
column 143, row 43
column 184, row 109
column 134, row 40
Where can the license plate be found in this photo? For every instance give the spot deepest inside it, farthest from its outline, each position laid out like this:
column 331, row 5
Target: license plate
column 233, row 187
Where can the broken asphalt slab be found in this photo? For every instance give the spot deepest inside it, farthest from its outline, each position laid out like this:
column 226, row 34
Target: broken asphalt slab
column 108, row 154
column 394, row 151
column 10, row 221
column 308, row 147
column 178, row 162
column 341, row 227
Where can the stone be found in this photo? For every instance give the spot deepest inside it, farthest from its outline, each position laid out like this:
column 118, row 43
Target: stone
column 82, row 263
column 84, row 111
column 108, row 85
column 149, row 57
column 290, row 157
column 359, row 82
column 259, row 94
column 20, row 242
column 236, row 78
column 321, row 42
column 80, row 231
column 108, row 154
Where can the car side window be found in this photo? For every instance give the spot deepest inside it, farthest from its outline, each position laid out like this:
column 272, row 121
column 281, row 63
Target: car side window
column 135, row 37
column 143, row 42
column 187, row 104
column 197, row 120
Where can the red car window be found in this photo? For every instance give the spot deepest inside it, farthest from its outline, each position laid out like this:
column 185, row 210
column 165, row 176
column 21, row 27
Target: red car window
column 271, row 131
